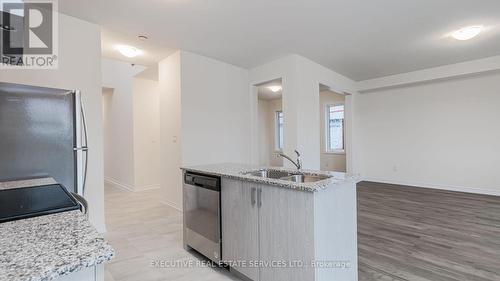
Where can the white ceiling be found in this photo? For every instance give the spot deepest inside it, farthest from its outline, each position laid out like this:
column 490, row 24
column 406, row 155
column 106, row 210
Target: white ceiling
column 153, row 53
column 358, row 38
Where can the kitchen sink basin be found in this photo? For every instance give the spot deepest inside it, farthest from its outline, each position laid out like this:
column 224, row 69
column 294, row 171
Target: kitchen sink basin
column 272, row 174
column 287, row 176
column 305, row 178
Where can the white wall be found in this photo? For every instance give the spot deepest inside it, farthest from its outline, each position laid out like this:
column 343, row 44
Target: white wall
column 329, row 161
column 264, row 132
column 443, row 135
column 210, row 99
column 267, row 132
column 119, row 137
column 79, row 68
column 132, row 127
column 118, row 141
column 107, row 123
column 169, row 71
column 146, row 110
column 215, row 111
column 301, row 78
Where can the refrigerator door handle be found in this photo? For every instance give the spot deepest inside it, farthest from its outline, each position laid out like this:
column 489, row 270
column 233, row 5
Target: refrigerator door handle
column 85, row 147
column 84, row 205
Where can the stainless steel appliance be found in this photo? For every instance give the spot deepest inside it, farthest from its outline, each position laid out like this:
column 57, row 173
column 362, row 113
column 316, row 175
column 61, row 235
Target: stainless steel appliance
column 43, row 133
column 202, row 222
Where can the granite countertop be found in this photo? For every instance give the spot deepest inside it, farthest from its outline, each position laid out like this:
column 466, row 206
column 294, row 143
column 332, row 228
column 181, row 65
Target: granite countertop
column 26, row 183
column 238, row 171
column 46, row 247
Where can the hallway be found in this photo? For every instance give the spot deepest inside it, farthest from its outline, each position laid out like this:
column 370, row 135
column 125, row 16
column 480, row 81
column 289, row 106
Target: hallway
column 143, row 232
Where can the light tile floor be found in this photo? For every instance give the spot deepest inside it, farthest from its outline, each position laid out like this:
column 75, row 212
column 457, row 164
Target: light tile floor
column 142, row 230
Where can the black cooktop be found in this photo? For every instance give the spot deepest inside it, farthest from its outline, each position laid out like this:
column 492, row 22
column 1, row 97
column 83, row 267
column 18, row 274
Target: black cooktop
column 27, row 202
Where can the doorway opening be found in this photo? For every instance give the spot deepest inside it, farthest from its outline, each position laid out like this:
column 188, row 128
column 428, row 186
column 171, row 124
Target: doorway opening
column 107, row 125
column 333, row 126
column 271, row 122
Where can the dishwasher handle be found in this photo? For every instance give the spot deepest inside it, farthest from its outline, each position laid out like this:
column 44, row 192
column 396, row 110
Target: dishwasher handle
column 203, row 181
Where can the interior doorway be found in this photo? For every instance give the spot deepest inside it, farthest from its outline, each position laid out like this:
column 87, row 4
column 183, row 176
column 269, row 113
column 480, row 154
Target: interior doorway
column 107, row 103
column 271, row 120
column 333, row 130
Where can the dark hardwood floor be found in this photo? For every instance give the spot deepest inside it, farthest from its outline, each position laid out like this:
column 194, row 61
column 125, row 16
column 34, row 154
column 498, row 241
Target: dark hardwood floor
column 417, row 234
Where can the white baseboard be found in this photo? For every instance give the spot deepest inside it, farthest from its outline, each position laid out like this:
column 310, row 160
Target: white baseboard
column 473, row 190
column 172, row 204
column 118, row 184
column 124, row 186
column 148, row 187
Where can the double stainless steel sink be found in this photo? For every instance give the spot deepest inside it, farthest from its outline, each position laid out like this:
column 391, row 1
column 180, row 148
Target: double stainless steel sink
column 297, row 177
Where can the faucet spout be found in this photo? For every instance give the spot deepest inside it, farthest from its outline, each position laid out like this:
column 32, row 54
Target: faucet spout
column 297, row 163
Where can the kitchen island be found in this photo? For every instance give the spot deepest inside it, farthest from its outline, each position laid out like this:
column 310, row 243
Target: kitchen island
column 62, row 246
column 281, row 224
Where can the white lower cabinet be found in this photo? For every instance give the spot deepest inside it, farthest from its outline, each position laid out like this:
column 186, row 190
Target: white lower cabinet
column 240, row 226
column 267, row 231
column 286, row 229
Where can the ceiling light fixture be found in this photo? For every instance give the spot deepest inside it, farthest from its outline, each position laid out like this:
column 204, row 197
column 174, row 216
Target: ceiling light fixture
column 467, row 33
column 128, row 51
column 275, row 89
column 143, row 37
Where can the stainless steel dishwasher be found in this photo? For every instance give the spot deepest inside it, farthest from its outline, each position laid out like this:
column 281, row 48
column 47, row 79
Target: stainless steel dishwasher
column 202, row 222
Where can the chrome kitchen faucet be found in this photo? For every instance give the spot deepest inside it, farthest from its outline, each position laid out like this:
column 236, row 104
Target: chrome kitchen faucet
column 297, row 163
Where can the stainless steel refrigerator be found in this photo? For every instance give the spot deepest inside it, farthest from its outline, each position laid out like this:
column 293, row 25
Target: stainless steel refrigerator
column 43, row 133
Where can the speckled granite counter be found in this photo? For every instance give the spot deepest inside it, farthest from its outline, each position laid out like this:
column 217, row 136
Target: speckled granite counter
column 238, row 171
column 26, row 183
column 46, row 247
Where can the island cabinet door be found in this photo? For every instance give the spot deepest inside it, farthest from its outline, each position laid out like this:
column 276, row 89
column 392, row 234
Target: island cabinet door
column 286, row 234
column 240, row 222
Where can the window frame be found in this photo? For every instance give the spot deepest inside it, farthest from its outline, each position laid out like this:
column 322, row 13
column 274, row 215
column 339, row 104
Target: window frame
column 277, row 143
column 327, row 149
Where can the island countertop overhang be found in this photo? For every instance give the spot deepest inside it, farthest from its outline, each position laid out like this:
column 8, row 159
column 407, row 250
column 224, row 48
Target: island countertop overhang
column 239, row 172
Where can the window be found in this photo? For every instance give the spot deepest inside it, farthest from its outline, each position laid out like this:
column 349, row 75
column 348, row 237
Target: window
column 279, row 130
column 335, row 128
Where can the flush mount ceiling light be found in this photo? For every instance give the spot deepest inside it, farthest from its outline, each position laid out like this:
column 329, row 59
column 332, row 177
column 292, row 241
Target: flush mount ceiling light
column 275, row 89
column 128, row 51
column 467, row 33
